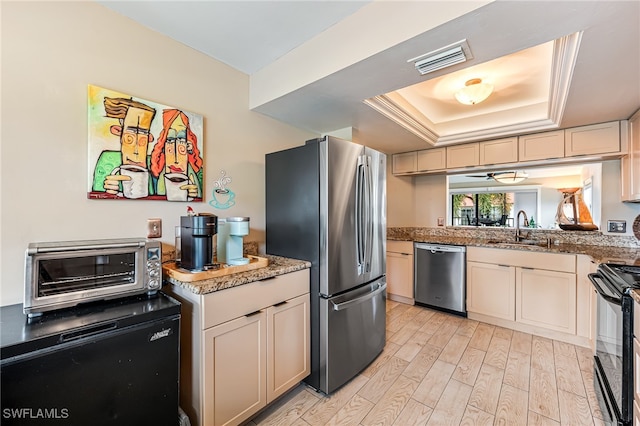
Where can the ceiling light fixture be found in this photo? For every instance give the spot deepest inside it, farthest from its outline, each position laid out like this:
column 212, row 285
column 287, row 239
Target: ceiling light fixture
column 510, row 177
column 474, row 92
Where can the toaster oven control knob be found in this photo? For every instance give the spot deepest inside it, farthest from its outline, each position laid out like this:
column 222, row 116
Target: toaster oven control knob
column 153, row 272
column 154, row 283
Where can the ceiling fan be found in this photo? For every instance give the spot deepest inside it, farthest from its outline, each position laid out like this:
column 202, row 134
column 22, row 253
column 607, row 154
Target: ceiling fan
column 511, row 176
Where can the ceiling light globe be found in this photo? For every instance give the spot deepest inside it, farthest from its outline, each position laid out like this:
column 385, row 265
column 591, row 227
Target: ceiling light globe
column 474, row 92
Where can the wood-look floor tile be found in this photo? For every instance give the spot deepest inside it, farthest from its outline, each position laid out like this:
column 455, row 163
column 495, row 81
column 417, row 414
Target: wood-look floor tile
column 585, row 358
column 388, row 352
column 513, row 406
column 287, row 411
column 482, row 337
column 535, row 419
column 453, row 350
column 543, row 394
column 564, row 349
column 589, row 387
column 467, row 369
column 409, row 351
column 402, row 336
column 568, row 375
column 328, row 406
column 574, row 409
column 498, row 352
column 392, row 403
column 442, row 335
column 421, row 364
column 517, row 370
column 521, row 342
column 434, row 323
column 475, row 417
column 448, row 409
column 467, row 328
column 423, row 316
column 352, row 413
column 503, row 333
column 420, row 337
column 542, row 354
column 414, row 413
column 431, row 387
column 377, row 385
column 486, row 390
column 398, row 322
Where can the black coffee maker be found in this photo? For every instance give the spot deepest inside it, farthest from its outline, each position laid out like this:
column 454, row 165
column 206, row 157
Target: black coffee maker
column 196, row 241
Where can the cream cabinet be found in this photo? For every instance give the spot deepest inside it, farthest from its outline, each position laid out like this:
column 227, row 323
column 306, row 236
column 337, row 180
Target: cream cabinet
column 499, row 151
column 400, row 271
column 535, row 292
column 491, row 290
column 630, row 163
column 242, row 347
column 466, row 155
column 429, row 160
column 404, row 163
column 594, row 139
column 541, row 146
column 636, row 364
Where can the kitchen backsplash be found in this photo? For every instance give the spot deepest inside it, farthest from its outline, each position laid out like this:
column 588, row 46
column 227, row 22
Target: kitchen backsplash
column 595, row 238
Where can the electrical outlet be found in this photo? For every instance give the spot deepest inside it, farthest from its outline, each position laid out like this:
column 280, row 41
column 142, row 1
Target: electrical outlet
column 619, row 226
column 154, row 228
column 441, row 221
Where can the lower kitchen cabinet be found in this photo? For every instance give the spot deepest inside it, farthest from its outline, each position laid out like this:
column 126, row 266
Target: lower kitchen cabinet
column 242, row 347
column 546, row 299
column 636, row 365
column 491, row 290
column 533, row 292
column 400, row 271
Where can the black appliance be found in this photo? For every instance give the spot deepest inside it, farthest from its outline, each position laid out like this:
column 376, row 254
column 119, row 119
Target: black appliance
column 196, row 240
column 102, row 363
column 614, row 340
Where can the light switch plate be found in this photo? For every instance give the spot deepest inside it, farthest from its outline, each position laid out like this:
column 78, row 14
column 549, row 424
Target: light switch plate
column 618, row 226
column 154, row 228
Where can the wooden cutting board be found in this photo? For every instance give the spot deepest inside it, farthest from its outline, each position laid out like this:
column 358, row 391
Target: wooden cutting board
column 170, row 269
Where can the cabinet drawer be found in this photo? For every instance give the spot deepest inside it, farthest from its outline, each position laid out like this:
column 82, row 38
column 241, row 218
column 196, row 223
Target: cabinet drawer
column 499, row 151
column 400, row 246
column 526, row 259
column 594, row 139
column 225, row 305
column 541, row 146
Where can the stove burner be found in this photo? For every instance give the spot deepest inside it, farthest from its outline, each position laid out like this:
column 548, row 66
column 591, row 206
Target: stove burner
column 629, row 269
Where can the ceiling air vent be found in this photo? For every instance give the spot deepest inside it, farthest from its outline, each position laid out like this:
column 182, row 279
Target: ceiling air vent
column 444, row 57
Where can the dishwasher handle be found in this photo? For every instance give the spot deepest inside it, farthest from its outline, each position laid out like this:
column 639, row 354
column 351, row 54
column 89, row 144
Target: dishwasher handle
column 435, row 248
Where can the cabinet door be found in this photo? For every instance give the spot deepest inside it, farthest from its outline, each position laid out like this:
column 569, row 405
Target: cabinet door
column 636, row 370
column 491, row 290
column 404, row 163
column 595, row 139
column 541, row 146
column 288, row 356
column 234, row 370
column 546, row 299
column 432, row 159
column 499, row 151
column 463, row 155
column 400, row 274
column 630, row 163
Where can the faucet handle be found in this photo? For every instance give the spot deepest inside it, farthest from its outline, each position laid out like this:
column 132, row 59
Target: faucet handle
column 526, row 222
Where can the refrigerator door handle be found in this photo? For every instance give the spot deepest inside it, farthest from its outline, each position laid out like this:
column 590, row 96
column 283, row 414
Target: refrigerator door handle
column 345, row 305
column 368, row 214
column 360, row 212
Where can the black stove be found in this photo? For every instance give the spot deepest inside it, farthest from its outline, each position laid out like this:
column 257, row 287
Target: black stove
column 623, row 277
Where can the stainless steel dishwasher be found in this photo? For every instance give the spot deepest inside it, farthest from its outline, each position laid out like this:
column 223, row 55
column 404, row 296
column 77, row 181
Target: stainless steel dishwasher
column 440, row 277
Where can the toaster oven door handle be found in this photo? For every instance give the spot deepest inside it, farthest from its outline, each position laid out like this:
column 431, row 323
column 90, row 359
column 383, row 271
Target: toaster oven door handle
column 599, row 284
column 84, row 247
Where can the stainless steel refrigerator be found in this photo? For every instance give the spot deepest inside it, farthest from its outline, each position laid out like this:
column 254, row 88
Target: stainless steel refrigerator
column 326, row 203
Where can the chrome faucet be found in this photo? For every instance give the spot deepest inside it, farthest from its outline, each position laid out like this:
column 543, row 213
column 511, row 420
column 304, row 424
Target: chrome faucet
column 519, row 236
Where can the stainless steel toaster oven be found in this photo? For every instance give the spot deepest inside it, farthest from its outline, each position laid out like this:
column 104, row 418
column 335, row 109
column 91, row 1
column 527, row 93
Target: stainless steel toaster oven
column 64, row 274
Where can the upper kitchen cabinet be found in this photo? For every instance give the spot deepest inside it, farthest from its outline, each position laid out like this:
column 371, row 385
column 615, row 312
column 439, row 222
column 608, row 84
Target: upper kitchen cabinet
column 430, row 160
column 630, row 164
column 595, row 139
column 499, row 151
column 466, row 155
column 404, row 163
column 541, row 146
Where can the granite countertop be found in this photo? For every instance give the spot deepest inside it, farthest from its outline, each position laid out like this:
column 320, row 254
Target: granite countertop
column 277, row 266
column 599, row 254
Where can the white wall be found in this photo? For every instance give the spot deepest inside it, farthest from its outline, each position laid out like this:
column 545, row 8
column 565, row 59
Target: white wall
column 431, row 199
column 51, row 51
column 400, row 199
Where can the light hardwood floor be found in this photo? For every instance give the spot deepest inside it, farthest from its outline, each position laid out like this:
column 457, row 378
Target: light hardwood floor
column 441, row 369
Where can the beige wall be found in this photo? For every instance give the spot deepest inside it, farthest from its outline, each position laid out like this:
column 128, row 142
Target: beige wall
column 51, row 51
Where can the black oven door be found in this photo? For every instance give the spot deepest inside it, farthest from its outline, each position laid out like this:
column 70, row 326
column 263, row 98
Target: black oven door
column 613, row 360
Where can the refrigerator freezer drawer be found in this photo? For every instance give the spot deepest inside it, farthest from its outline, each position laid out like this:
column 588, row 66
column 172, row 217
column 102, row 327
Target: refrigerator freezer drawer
column 352, row 333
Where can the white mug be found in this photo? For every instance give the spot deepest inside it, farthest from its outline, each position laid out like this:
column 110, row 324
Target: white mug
column 173, row 182
column 138, row 185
